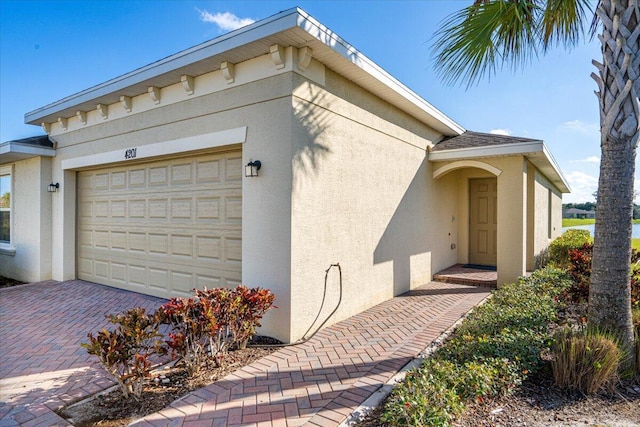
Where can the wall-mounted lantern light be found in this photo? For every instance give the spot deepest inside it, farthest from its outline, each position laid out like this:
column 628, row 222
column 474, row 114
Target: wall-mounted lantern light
column 52, row 188
column 252, row 168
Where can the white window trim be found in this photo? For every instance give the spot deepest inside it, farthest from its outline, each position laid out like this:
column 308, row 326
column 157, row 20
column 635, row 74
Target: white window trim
column 9, row 248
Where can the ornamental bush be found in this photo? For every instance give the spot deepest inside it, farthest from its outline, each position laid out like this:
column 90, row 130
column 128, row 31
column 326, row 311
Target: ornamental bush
column 125, row 351
column 202, row 328
column 190, row 329
column 495, row 349
column 580, row 269
column 560, row 247
column 214, row 321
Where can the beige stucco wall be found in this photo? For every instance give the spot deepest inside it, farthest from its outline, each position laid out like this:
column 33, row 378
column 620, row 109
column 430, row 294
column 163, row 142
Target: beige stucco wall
column 31, row 222
column 363, row 197
column 264, row 107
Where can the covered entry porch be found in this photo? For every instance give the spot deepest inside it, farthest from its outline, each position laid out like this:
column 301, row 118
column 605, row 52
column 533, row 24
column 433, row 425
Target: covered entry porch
column 509, row 200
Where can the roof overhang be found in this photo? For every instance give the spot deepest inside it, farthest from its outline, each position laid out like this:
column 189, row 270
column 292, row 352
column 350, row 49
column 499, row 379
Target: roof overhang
column 535, row 151
column 12, row 151
column 293, row 27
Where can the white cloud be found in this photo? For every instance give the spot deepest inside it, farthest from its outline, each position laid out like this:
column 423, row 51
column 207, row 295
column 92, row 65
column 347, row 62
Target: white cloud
column 505, row 132
column 590, row 159
column 582, row 186
column 226, row 21
column 580, row 126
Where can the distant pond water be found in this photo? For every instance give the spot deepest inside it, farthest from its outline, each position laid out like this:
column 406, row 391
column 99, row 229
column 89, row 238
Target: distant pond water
column 635, row 232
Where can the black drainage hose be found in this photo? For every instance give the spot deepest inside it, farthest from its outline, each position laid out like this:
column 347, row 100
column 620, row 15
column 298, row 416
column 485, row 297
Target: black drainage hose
column 324, row 296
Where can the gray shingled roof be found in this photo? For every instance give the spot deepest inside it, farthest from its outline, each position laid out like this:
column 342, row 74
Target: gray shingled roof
column 477, row 139
column 41, row 141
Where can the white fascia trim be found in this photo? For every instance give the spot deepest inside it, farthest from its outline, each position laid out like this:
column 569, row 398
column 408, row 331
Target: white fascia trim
column 522, row 148
column 556, row 168
column 339, row 45
column 519, row 148
column 176, row 146
column 282, row 21
column 226, row 42
column 32, row 150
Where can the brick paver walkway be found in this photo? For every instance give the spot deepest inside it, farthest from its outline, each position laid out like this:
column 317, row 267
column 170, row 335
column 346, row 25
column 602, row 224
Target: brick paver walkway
column 322, row 381
column 42, row 367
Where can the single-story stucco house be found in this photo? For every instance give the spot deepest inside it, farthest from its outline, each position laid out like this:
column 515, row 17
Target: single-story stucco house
column 144, row 182
column 578, row 213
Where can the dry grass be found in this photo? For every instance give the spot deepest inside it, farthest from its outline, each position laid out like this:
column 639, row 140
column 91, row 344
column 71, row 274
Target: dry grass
column 586, row 360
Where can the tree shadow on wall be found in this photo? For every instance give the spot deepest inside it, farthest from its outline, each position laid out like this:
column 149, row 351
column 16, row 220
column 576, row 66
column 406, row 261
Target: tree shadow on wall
column 310, row 121
column 402, row 238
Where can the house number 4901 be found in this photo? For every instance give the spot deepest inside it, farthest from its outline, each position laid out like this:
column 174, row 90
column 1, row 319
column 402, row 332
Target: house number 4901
column 130, row 153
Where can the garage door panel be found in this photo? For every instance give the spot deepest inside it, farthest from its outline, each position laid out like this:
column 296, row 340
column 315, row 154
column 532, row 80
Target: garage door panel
column 163, row 227
column 233, row 169
column 181, row 209
column 208, row 171
column 137, row 177
column 208, row 208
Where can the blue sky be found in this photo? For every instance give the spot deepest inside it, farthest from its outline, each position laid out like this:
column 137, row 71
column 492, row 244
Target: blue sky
column 52, row 49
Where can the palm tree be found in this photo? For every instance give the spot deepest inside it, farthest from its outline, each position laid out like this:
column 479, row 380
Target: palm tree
column 473, row 42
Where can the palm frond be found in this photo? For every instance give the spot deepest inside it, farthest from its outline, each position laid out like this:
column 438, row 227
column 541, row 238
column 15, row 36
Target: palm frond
column 475, row 40
column 563, row 22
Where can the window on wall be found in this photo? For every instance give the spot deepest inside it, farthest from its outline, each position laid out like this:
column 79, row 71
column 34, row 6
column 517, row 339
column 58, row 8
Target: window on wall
column 5, row 205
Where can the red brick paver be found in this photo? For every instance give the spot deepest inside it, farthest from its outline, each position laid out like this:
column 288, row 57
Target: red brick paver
column 467, row 276
column 42, row 366
column 320, row 382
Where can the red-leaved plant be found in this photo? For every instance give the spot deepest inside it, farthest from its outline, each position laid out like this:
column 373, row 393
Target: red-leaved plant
column 213, row 322
column 580, row 270
column 125, row 351
column 191, row 328
column 253, row 304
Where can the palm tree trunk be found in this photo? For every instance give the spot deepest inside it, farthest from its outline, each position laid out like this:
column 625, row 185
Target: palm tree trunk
column 619, row 84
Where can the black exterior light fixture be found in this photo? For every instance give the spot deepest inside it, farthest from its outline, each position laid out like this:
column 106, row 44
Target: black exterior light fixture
column 53, row 188
column 252, row 168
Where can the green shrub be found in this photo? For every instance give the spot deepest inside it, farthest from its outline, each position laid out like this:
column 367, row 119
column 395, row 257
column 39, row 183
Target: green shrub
column 560, row 247
column 493, row 351
column 513, row 324
column 125, row 351
column 426, row 397
column 586, row 360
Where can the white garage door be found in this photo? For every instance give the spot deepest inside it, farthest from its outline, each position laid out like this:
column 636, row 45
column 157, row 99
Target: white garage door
column 164, row 227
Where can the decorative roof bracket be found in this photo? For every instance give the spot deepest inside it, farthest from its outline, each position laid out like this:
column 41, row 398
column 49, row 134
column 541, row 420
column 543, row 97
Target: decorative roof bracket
column 188, row 83
column 154, row 93
column 304, row 57
column 228, row 71
column 82, row 116
column 103, row 110
column 126, row 103
column 277, row 56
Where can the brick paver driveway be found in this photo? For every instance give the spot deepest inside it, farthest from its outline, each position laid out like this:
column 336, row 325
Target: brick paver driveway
column 42, row 366
column 319, row 382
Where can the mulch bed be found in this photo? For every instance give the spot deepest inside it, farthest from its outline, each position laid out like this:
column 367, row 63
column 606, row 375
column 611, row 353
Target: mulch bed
column 112, row 409
column 5, row 282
